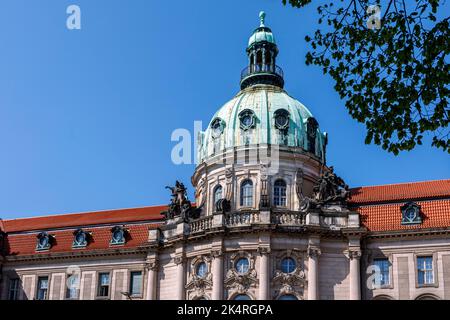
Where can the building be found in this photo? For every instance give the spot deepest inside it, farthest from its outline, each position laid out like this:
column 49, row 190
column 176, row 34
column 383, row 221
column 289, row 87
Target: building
column 271, row 220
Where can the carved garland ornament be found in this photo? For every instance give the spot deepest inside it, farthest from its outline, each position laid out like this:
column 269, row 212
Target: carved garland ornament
column 289, row 282
column 240, row 283
column 197, row 285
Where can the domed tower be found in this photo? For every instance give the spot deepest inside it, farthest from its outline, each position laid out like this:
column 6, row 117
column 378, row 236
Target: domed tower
column 263, row 149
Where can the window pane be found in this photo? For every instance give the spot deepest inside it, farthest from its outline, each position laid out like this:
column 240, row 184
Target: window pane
column 247, row 194
column 425, row 270
column 383, row 276
column 136, row 283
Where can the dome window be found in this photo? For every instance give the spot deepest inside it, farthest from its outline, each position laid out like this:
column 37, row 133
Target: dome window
column 247, row 119
column 281, row 119
column 217, row 127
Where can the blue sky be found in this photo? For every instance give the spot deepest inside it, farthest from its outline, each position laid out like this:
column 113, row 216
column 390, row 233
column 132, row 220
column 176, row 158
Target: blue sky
column 86, row 115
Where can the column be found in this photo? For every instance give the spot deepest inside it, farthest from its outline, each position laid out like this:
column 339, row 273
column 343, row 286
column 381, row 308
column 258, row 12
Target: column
column 313, row 271
column 355, row 285
column 264, row 274
column 217, row 275
column 180, row 290
column 152, row 272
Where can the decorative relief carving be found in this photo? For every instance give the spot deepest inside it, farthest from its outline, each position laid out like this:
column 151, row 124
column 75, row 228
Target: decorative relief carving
column 314, row 252
column 229, row 178
column 353, row 254
column 199, row 282
column 178, row 260
column 264, row 195
column 152, row 265
column 289, row 283
column 240, row 282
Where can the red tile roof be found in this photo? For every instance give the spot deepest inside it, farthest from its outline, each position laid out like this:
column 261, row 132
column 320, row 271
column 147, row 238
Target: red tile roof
column 24, row 244
column 388, row 217
column 85, row 219
column 401, row 191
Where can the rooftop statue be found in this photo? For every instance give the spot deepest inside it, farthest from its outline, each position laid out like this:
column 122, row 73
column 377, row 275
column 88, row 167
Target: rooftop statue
column 329, row 189
column 179, row 205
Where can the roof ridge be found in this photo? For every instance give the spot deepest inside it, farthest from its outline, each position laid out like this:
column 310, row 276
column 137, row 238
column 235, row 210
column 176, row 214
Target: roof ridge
column 401, row 183
column 80, row 213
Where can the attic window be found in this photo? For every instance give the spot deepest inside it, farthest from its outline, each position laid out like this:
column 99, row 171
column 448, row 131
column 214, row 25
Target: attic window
column 411, row 214
column 80, row 239
column 44, row 241
column 118, row 235
column 247, row 119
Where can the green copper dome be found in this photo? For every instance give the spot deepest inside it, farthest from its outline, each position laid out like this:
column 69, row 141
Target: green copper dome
column 253, row 117
column 262, row 33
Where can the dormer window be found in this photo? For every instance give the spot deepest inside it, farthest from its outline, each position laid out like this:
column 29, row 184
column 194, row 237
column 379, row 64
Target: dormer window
column 118, row 235
column 80, row 239
column 217, row 127
column 44, row 241
column 411, row 213
column 247, row 119
column 281, row 119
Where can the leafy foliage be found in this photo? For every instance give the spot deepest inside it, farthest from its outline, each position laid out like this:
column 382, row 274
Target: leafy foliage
column 395, row 78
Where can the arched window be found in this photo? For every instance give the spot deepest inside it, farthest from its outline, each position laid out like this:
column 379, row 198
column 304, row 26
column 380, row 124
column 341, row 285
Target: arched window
column 288, row 297
column 279, row 193
column 217, row 195
column 242, row 297
column 247, row 193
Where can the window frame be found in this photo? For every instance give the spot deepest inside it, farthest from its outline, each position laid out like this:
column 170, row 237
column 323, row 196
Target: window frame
column 389, row 271
column 285, row 205
column 217, row 187
column 131, row 282
column 16, row 290
column 434, row 272
column 39, row 278
column 67, row 297
column 242, row 203
column 97, row 293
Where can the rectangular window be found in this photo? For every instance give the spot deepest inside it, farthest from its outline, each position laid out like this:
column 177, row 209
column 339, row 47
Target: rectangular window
column 42, row 288
column 103, row 285
column 383, row 278
column 425, row 270
column 14, row 289
column 136, row 283
column 73, row 286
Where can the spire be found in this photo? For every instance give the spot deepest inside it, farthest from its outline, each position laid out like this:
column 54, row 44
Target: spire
column 262, row 18
column 262, row 52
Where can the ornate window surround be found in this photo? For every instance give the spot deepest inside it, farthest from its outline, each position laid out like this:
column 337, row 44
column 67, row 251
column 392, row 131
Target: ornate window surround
column 290, row 283
column 217, row 122
column 241, row 283
column 197, row 286
column 411, row 206
column 124, row 235
column 278, row 112
column 44, row 235
column 84, row 243
column 244, row 113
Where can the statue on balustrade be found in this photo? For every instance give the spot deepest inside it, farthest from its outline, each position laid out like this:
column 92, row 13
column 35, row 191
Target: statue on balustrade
column 329, row 189
column 179, row 205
